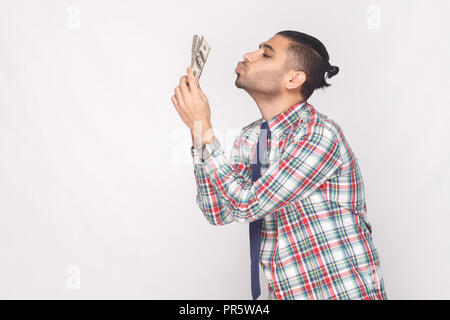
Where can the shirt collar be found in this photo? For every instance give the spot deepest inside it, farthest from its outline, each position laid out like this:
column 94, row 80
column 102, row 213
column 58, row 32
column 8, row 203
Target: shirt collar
column 282, row 121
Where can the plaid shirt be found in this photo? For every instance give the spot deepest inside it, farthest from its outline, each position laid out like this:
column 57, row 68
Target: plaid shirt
column 315, row 240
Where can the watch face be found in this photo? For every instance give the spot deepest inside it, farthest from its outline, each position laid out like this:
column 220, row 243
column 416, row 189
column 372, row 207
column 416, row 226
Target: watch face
column 209, row 148
column 205, row 153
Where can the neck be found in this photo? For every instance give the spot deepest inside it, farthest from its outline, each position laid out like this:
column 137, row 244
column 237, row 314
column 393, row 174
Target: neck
column 272, row 106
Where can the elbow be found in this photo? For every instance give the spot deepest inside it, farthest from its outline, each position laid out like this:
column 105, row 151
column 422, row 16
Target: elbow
column 218, row 219
column 216, row 222
column 221, row 218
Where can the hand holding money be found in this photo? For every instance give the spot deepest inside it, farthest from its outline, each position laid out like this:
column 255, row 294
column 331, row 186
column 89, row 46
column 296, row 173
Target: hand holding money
column 189, row 100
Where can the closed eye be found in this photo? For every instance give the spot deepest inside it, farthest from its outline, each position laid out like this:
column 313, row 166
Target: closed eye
column 265, row 55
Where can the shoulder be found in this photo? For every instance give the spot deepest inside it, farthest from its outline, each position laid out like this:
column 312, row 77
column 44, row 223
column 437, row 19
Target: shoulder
column 247, row 130
column 245, row 133
column 252, row 125
column 317, row 124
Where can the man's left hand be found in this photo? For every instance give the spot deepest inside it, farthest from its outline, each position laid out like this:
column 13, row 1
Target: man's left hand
column 190, row 102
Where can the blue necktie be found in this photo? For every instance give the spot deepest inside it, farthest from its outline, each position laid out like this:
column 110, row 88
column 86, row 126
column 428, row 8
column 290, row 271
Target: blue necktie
column 255, row 226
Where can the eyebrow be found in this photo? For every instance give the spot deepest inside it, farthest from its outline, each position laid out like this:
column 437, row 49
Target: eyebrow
column 267, row 46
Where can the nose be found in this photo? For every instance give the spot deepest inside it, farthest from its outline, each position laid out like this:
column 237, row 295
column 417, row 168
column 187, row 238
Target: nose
column 250, row 56
column 246, row 57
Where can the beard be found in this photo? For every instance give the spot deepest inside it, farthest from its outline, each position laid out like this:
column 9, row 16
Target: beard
column 267, row 82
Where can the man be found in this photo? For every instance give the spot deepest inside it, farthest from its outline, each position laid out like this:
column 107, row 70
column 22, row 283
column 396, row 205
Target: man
column 308, row 198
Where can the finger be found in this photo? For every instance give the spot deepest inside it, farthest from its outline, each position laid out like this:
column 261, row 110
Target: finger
column 175, row 103
column 185, row 91
column 191, row 79
column 179, row 97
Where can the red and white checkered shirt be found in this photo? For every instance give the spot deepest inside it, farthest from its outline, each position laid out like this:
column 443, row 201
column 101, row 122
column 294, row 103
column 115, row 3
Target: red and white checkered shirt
column 315, row 240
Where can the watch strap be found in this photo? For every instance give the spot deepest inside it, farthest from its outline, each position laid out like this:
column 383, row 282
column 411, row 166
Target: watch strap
column 209, row 148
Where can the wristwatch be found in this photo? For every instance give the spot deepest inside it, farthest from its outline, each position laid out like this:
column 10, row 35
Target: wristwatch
column 209, row 148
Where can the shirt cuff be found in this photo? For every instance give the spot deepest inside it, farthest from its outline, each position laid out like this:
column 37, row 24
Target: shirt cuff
column 214, row 161
column 196, row 156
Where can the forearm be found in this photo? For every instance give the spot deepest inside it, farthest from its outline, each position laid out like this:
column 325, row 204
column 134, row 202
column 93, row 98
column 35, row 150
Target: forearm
column 215, row 210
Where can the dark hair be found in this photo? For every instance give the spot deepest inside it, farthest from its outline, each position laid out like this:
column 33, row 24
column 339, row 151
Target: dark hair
column 306, row 53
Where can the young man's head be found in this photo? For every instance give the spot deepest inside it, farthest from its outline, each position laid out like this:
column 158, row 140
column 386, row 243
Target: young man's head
column 290, row 63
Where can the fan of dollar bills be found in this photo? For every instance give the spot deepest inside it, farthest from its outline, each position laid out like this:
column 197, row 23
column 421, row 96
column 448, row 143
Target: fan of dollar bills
column 200, row 52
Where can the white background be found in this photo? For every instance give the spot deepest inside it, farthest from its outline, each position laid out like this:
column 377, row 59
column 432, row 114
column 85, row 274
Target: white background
column 95, row 164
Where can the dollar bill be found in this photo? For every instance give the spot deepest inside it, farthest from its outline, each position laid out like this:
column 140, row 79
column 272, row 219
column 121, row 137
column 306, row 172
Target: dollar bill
column 200, row 52
column 195, row 41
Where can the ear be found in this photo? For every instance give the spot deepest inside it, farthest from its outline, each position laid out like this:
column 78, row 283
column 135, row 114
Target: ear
column 295, row 79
